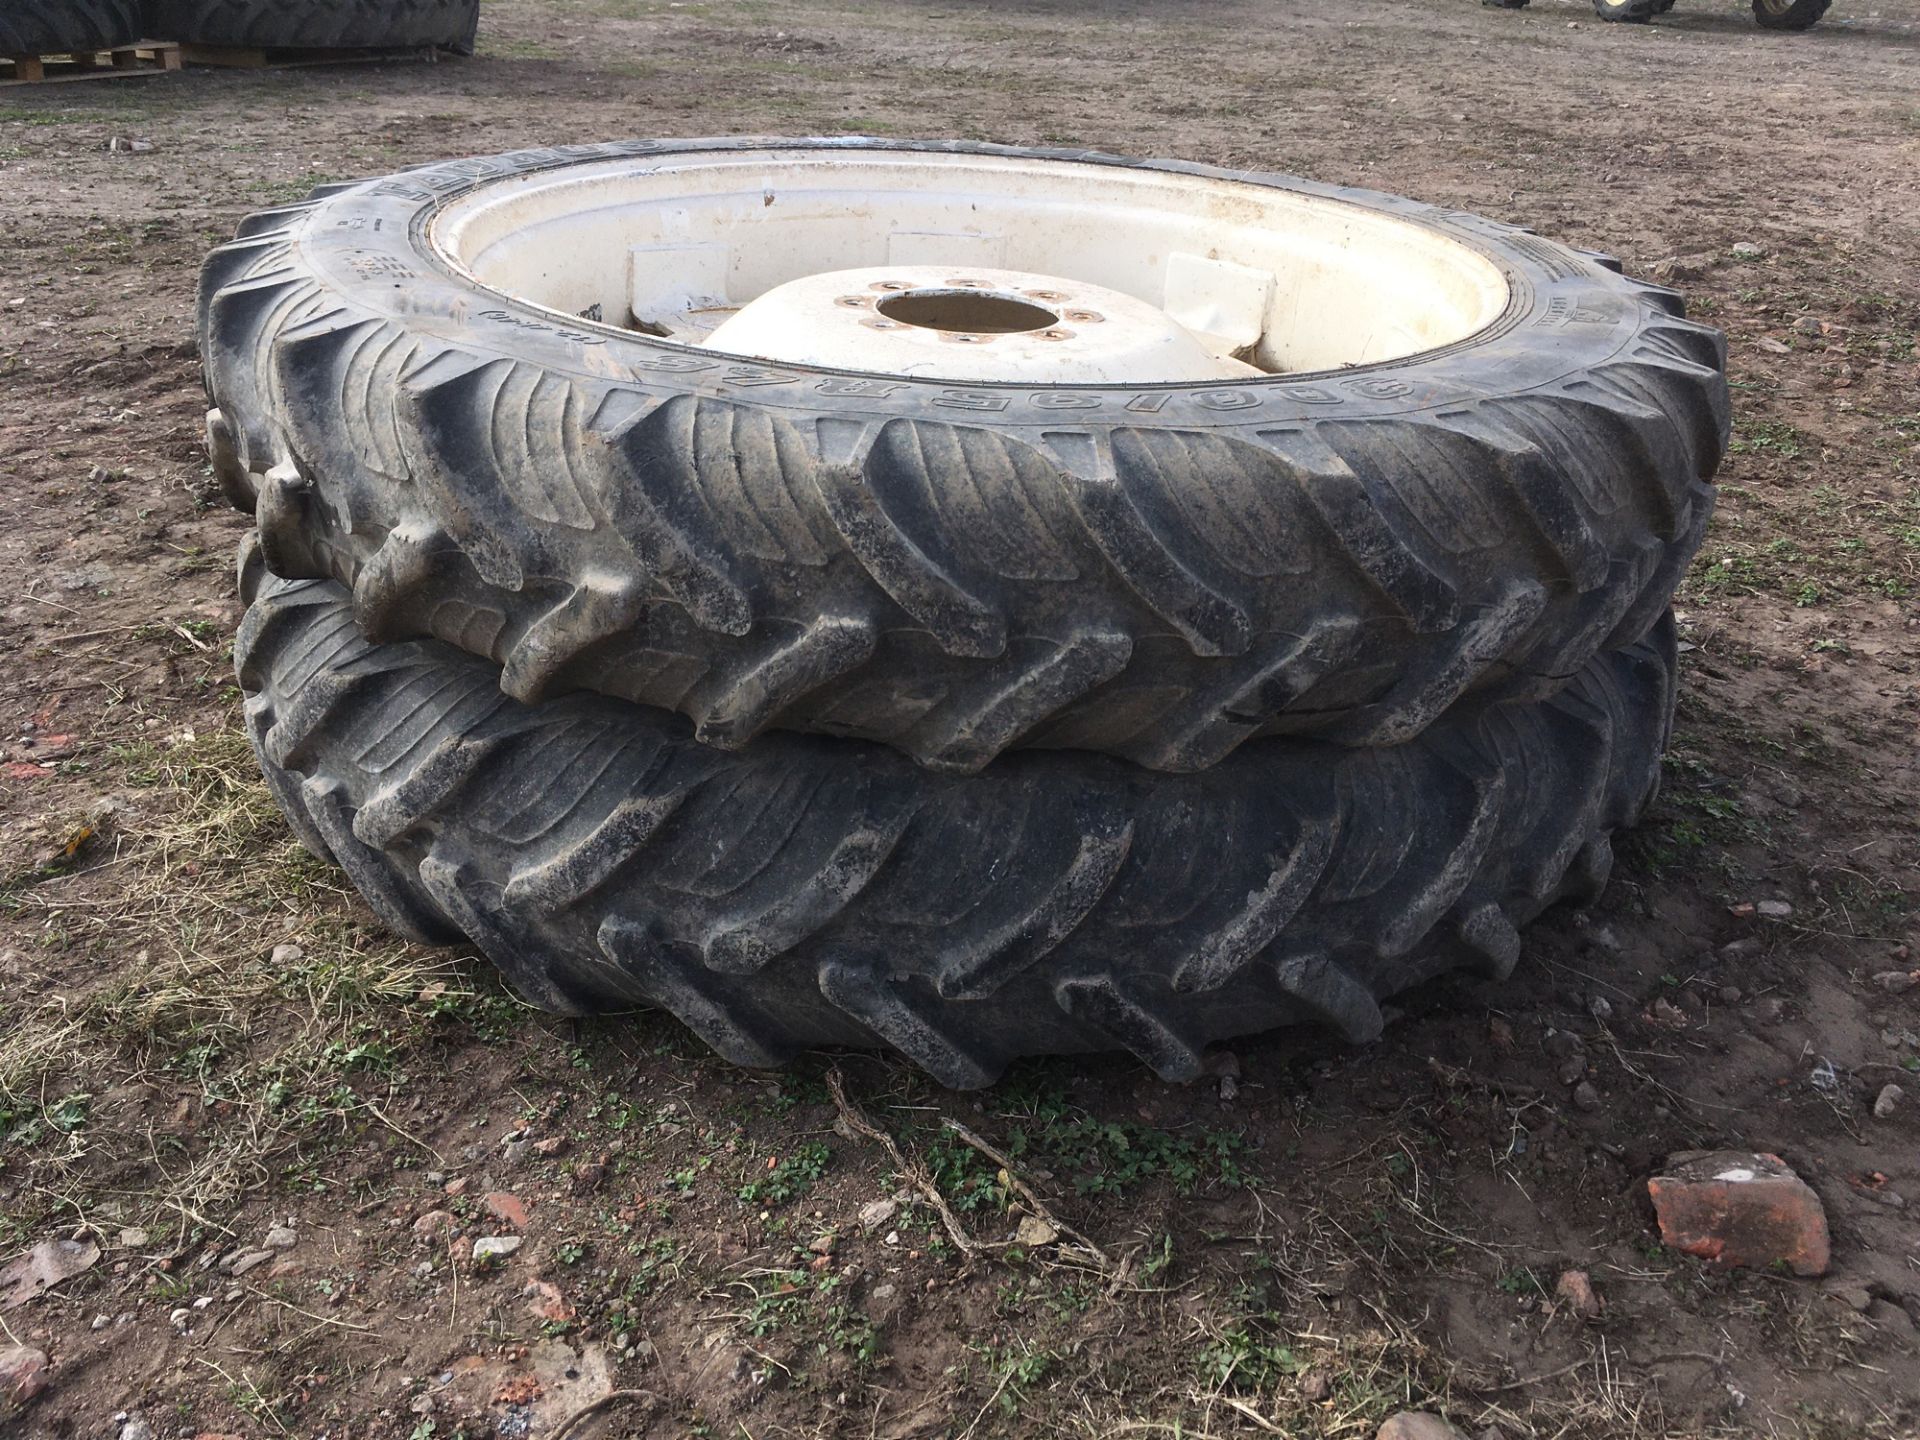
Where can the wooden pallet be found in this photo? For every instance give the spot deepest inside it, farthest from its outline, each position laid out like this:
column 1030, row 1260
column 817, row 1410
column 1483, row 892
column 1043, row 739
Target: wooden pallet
column 241, row 57
column 149, row 57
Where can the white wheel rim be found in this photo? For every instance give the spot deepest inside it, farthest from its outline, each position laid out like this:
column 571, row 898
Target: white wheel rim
column 1269, row 279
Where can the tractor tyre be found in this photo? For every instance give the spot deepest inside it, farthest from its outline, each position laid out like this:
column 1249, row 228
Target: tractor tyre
column 807, row 891
column 1789, row 14
column 318, row 24
column 59, row 27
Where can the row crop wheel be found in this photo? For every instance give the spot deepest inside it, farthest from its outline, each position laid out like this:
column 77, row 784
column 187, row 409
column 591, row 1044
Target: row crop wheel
column 1055, row 603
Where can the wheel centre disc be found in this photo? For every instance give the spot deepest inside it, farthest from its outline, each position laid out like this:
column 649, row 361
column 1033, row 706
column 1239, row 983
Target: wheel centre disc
column 972, row 324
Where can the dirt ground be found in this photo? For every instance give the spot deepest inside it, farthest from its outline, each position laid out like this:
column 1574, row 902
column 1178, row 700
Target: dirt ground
column 209, row 1049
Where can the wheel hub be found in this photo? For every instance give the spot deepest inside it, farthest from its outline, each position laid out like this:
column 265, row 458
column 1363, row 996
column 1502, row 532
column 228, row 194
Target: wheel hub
column 971, row 324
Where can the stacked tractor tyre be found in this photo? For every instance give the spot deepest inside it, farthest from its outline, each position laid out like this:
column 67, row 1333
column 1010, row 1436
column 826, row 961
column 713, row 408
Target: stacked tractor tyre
column 1768, row 14
column 58, row 27
column 972, row 721
column 317, row 24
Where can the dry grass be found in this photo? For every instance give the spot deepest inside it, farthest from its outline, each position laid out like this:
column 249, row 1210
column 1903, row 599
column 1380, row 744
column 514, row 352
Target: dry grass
column 244, row 1013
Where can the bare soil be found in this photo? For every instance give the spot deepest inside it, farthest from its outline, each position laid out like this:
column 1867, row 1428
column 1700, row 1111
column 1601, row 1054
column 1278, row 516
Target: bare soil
column 1338, row 1233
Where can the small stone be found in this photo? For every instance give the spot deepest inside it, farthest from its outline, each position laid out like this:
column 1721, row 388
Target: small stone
column 1665, row 1012
column 134, row 1238
column 1773, row 910
column 1576, row 1289
column 1740, row 1208
column 893, row 1238
column 435, row 1225
column 280, row 1237
column 1229, row 1089
column 1747, row 250
column 456, row 1187
column 545, row 1302
column 136, row 1428
column 1850, row 1293
column 1894, row 982
column 180, row 1319
column 204, row 1302
column 552, row 1145
column 1033, row 1231
column 1683, row 267
column 252, row 1260
column 496, row 1247
column 588, row 1174
column 1585, row 1098
column 100, row 1322
column 1572, row 1070
column 514, row 1152
column 1729, row 994
column 1599, row 1008
column 885, row 1291
column 1773, row 1009
column 1316, row 1385
column 1888, row 1316
column 286, row 955
column 876, row 1213
column 1500, row 1033
column 1605, row 937
column 821, row 1244
column 505, row 1207
column 1806, row 325
column 1887, row 1101
column 23, row 1375
column 1418, row 1425
column 1564, row 1045
column 1740, row 949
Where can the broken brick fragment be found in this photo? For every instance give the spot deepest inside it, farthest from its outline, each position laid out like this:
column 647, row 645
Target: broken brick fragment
column 1740, row 1208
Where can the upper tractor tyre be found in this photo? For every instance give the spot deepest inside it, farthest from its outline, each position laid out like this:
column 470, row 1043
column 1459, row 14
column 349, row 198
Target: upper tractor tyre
column 318, row 24
column 1789, row 14
column 59, row 27
column 962, row 448
column 812, row 892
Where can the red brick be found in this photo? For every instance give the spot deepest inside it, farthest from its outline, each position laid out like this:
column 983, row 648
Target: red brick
column 1738, row 1208
column 509, row 1208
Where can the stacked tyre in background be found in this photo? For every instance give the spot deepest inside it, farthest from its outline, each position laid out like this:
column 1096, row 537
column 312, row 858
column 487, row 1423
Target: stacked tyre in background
column 975, row 719
column 317, row 24
column 57, row 27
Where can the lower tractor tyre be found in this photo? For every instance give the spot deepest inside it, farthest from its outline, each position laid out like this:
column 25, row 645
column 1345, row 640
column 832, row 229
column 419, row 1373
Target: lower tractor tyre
column 807, row 891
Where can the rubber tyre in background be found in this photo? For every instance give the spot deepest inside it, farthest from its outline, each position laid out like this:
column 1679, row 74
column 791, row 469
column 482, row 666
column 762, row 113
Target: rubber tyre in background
column 318, row 24
column 54, row 27
column 809, row 891
column 1789, row 14
column 953, row 571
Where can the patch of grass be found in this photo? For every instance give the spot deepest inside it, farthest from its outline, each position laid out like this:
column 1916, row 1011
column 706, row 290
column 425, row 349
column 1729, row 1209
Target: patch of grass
column 1767, row 437
column 1102, row 1156
column 790, row 1177
column 288, row 1023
